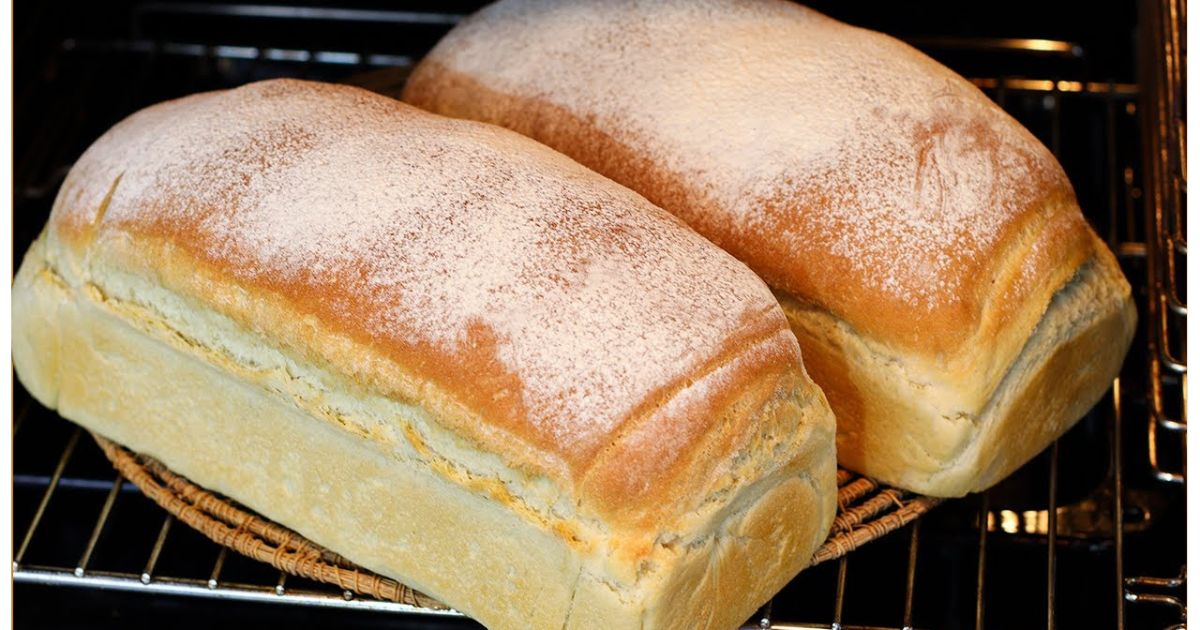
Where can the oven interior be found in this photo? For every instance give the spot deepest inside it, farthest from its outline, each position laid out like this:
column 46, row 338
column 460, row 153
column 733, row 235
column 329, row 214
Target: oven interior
column 1088, row 535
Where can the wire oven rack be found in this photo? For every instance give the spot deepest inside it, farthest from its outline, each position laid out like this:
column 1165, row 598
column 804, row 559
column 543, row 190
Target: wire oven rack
column 77, row 524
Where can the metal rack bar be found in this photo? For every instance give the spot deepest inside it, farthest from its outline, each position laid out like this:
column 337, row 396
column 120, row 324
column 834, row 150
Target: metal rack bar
column 1155, row 598
column 1118, row 501
column 1130, row 214
column 818, row 626
column 911, row 579
column 20, row 416
column 1156, row 421
column 1172, row 362
column 280, row 585
column 148, row 572
column 839, row 598
column 75, row 483
column 1169, row 424
column 353, row 58
column 243, row 53
column 1174, row 582
column 1056, row 120
column 981, row 567
column 1052, row 491
column 1044, row 85
column 215, row 576
column 764, row 619
column 50, row 488
column 1052, row 538
column 1175, row 303
column 1174, row 601
column 323, row 14
column 199, row 588
column 1110, row 148
column 98, row 529
column 1007, row 44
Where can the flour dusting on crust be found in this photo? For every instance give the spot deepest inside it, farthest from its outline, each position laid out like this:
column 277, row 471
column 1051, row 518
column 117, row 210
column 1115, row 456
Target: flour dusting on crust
column 863, row 162
column 446, row 233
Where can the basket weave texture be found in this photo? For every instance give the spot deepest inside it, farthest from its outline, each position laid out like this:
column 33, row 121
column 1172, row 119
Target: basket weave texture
column 866, row 511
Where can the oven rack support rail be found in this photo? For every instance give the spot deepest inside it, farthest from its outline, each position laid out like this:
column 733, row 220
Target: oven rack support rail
column 1164, row 121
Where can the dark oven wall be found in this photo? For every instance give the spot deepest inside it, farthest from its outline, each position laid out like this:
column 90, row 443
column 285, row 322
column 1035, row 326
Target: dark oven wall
column 1042, row 542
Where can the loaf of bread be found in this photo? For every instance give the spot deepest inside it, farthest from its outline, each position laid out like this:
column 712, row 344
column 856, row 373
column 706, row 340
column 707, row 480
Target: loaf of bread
column 949, row 296
column 437, row 347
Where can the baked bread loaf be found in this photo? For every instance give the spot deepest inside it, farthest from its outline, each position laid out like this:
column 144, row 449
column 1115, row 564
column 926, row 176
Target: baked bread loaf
column 437, row 347
column 949, row 296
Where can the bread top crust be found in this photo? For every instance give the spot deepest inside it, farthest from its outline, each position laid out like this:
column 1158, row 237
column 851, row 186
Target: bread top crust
column 555, row 310
column 849, row 170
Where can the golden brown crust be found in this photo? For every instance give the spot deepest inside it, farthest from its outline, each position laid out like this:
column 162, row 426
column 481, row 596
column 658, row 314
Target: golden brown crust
column 725, row 422
column 793, row 239
column 1051, row 225
column 127, row 208
column 983, row 327
column 891, row 205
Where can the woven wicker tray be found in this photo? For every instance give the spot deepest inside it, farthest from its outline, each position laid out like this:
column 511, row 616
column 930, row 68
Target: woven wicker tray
column 866, row 511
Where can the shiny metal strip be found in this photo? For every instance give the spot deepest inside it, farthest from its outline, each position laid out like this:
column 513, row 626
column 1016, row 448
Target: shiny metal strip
column 981, row 566
column 148, row 572
column 199, row 588
column 839, row 598
column 1052, row 538
column 911, row 579
column 1118, row 516
column 98, row 529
